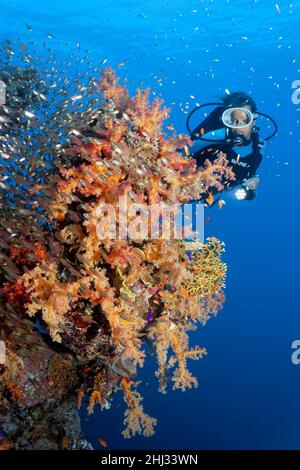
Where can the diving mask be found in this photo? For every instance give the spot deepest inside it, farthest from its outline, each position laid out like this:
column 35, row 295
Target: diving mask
column 238, row 118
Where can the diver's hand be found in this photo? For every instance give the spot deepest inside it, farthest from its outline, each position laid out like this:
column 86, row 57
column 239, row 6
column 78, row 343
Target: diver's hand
column 252, row 183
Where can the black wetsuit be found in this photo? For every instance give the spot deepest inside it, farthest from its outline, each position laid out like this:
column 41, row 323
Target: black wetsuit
column 244, row 159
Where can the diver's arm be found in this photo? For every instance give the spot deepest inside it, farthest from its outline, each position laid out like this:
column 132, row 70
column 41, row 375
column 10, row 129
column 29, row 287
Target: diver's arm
column 253, row 181
column 215, row 135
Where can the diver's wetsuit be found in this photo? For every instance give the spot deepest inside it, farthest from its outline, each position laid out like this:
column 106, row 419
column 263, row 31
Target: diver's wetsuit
column 244, row 159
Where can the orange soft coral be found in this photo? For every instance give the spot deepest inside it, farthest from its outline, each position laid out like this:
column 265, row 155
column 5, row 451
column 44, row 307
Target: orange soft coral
column 95, row 397
column 27, row 253
column 167, row 336
column 147, row 118
column 216, row 172
column 15, row 293
column 136, row 420
column 15, row 392
column 102, row 294
column 112, row 91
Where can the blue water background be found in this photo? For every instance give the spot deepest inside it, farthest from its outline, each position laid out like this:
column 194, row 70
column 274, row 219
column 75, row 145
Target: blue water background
column 249, row 389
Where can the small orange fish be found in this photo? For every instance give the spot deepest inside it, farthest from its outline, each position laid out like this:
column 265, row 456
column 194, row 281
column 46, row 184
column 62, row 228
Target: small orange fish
column 6, row 446
column 163, row 281
column 210, row 199
column 65, row 442
column 221, row 203
column 120, row 64
column 171, row 128
column 202, row 131
column 186, row 150
column 180, row 164
column 102, row 442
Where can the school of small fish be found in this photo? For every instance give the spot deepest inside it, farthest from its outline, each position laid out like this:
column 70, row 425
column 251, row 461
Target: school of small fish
column 46, row 99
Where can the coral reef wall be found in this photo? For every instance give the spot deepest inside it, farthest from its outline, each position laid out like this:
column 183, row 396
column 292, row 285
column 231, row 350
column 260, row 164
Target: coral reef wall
column 80, row 299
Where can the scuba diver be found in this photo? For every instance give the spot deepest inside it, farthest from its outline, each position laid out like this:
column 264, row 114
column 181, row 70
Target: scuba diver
column 231, row 128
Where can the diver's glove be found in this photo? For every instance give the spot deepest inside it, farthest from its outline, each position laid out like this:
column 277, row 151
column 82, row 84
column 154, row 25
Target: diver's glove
column 252, row 183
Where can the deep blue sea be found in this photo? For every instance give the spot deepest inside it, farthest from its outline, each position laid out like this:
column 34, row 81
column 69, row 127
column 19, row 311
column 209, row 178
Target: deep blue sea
column 191, row 51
